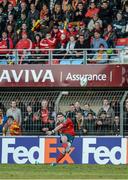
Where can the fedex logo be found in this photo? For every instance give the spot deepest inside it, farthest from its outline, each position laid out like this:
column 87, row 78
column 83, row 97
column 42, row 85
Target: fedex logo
column 21, row 154
column 30, row 150
column 104, row 150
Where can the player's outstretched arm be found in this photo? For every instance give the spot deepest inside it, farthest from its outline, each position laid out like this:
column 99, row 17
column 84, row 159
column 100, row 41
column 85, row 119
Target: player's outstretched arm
column 57, row 128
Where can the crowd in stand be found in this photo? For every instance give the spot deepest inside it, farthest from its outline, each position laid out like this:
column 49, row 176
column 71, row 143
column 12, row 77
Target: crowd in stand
column 62, row 24
column 37, row 118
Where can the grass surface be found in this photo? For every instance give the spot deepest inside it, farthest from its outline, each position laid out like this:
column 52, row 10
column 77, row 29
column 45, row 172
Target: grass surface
column 27, row 171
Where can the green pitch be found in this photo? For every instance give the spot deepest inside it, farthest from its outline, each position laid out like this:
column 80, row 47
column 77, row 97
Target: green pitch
column 14, row 171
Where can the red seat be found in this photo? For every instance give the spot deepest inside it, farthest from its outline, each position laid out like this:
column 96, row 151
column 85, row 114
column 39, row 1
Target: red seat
column 122, row 42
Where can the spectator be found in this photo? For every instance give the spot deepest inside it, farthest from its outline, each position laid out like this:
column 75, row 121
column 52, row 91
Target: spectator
column 70, row 48
column 2, row 14
column 78, row 107
column 27, row 124
column 11, row 11
column 125, row 120
column 10, row 32
column 55, row 34
column 24, row 43
column 84, row 30
column 116, row 126
column 11, row 127
column 15, row 112
column 101, row 56
column 3, row 120
column 5, row 45
column 119, row 25
column 87, row 109
column 71, row 31
column 45, row 12
column 105, row 13
column 104, row 123
column 110, row 36
column 2, row 26
column 80, row 128
column 5, row 4
column 97, row 41
column 23, row 9
column 97, row 27
column 81, row 44
column 57, row 14
column 68, row 14
column 91, row 10
column 90, row 124
column 95, row 19
column 37, row 39
column 22, row 20
column 33, row 13
column 47, row 43
column 10, row 20
column 46, row 120
column 71, row 113
column 79, row 12
column 107, row 108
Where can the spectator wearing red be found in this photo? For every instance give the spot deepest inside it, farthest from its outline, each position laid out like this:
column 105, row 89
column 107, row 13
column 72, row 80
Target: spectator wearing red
column 5, row 43
column 92, row 10
column 55, row 33
column 36, row 43
column 24, row 43
column 84, row 30
column 45, row 116
column 71, row 31
column 48, row 42
column 44, row 12
column 23, row 29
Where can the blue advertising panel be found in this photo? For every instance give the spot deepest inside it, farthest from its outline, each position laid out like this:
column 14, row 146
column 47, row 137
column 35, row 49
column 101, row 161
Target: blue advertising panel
column 104, row 150
column 23, row 150
column 84, row 150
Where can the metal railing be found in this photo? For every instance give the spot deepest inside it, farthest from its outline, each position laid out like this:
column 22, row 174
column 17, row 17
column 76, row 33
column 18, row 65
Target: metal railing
column 63, row 56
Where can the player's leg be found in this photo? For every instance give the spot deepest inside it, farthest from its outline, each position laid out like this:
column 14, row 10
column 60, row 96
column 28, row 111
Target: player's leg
column 64, row 140
column 65, row 143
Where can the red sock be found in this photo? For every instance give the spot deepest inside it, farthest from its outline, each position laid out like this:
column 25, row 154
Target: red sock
column 65, row 145
column 60, row 157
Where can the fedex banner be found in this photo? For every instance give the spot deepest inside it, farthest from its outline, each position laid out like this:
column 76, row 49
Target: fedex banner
column 99, row 150
column 63, row 76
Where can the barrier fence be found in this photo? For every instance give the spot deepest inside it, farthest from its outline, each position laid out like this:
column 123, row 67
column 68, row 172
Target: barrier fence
column 63, row 56
column 38, row 110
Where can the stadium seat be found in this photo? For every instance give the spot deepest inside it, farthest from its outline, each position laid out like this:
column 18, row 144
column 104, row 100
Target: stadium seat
column 71, row 61
column 121, row 43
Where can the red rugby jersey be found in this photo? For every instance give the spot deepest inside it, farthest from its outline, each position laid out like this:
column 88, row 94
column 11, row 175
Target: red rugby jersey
column 68, row 127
